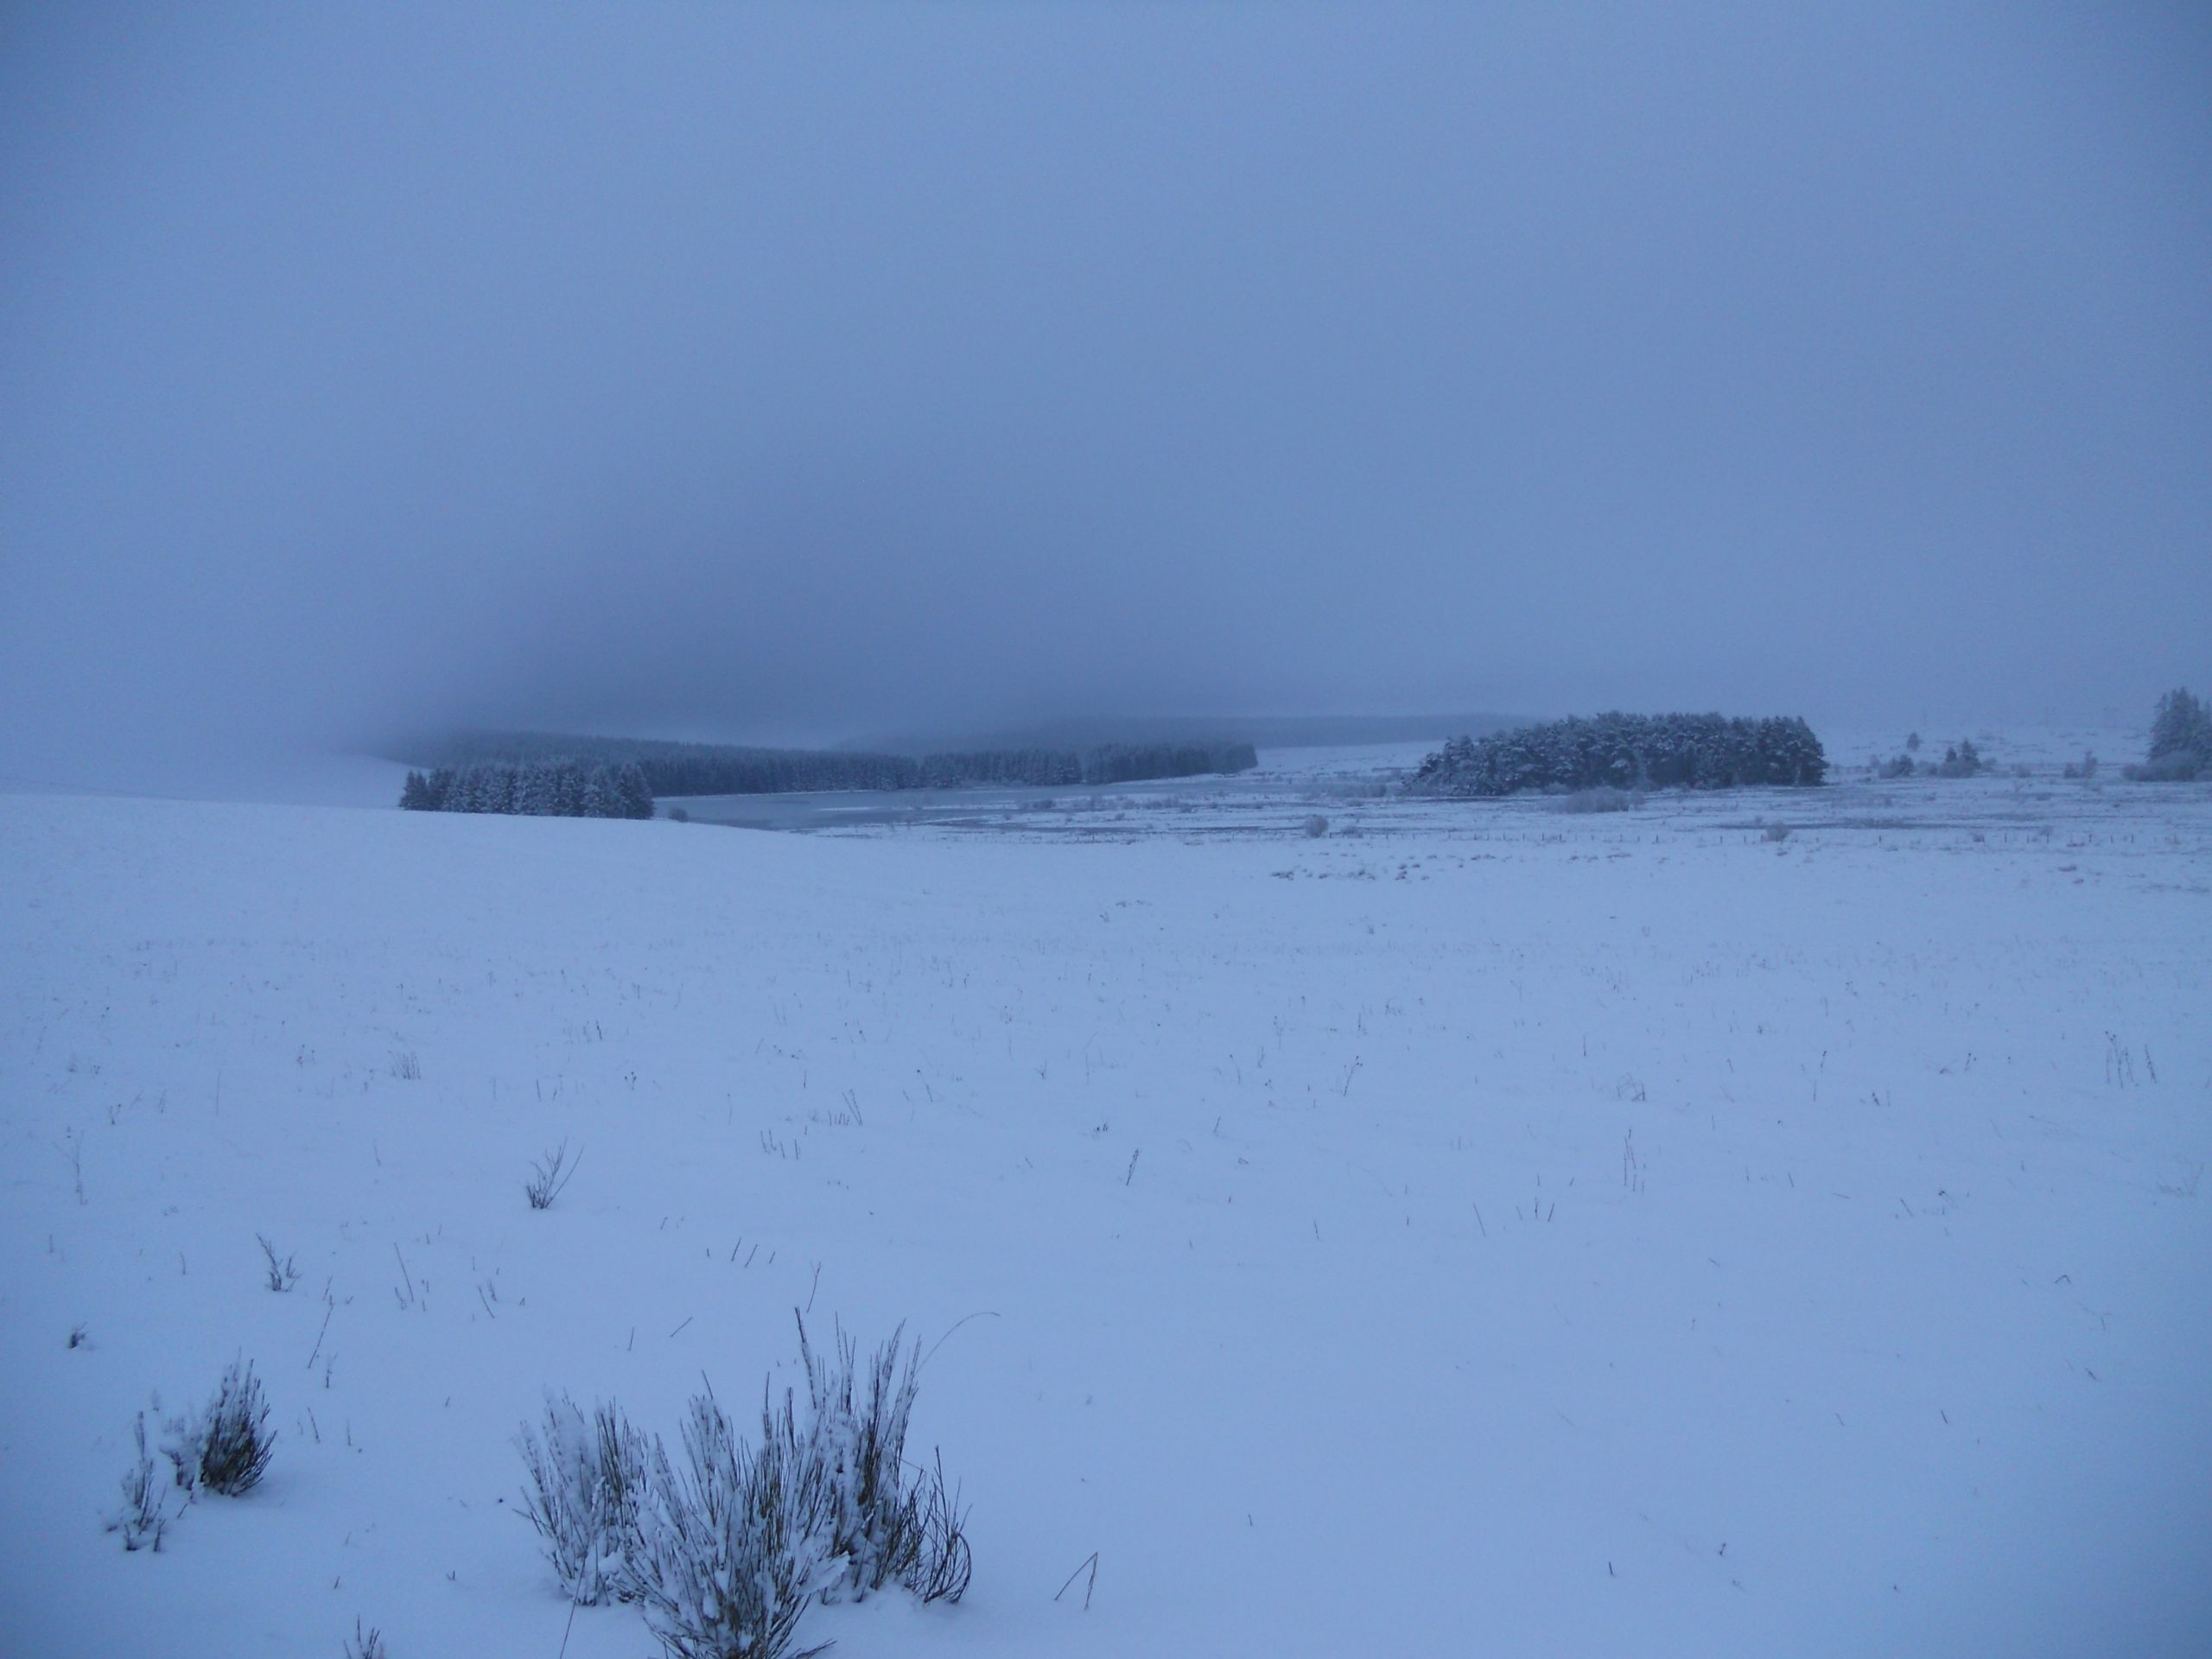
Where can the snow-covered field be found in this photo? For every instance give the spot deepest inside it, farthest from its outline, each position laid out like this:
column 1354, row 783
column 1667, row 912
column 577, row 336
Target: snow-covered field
column 1495, row 1230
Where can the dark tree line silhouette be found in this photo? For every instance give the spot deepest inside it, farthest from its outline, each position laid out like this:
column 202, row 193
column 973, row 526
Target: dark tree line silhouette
column 1626, row 752
column 716, row 769
column 547, row 788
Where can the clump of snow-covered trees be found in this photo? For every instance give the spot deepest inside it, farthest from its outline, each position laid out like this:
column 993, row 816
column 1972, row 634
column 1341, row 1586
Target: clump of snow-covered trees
column 543, row 789
column 2181, row 740
column 1626, row 752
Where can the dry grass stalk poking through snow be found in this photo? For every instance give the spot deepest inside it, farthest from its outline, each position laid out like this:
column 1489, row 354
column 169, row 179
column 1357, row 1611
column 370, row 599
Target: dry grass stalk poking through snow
column 282, row 1273
column 549, row 1175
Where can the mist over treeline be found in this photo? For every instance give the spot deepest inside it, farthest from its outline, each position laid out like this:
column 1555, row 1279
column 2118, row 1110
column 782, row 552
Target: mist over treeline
column 786, row 375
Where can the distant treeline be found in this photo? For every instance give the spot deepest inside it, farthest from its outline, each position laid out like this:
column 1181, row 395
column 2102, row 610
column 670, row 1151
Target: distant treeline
column 717, row 769
column 1627, row 751
column 549, row 788
column 1266, row 731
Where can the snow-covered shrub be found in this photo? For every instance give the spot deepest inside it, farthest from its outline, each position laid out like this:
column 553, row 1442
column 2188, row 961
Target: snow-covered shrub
column 732, row 1547
column 144, row 1517
column 726, row 1548
column 225, row 1446
column 858, row 1437
column 587, row 1477
column 886, row 1523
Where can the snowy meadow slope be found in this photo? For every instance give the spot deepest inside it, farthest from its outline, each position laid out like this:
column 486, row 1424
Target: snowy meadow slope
column 1497, row 1229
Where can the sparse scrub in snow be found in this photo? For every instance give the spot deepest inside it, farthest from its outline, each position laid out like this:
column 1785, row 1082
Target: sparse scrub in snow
column 549, row 1175
column 281, row 1274
column 225, row 1446
column 144, row 1518
column 725, row 1549
column 941, row 1564
column 586, row 1479
column 366, row 1644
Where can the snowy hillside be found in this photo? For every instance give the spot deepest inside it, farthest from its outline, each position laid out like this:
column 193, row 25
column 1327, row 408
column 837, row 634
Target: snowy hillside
column 1499, row 1231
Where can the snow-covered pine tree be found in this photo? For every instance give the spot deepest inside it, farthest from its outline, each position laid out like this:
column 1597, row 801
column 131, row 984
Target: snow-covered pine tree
column 2181, row 735
column 598, row 799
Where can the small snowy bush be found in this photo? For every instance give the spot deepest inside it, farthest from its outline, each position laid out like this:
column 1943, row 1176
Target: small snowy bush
column 142, row 1520
column 733, row 1546
column 884, row 1523
column 586, row 1479
column 859, row 1439
column 726, row 1548
column 225, row 1446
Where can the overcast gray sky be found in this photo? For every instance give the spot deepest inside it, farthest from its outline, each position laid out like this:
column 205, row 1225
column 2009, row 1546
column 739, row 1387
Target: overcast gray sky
column 785, row 371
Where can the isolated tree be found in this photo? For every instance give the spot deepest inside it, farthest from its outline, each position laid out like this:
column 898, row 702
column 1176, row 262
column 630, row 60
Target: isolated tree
column 2181, row 736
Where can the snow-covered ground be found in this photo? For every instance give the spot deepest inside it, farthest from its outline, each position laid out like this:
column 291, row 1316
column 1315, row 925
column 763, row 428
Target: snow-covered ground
column 1495, row 1230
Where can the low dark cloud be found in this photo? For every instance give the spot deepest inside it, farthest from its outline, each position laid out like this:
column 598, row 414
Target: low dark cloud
column 787, row 372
